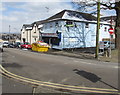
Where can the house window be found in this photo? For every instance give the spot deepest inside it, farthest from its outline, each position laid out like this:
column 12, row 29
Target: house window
column 56, row 24
column 101, row 25
column 35, row 30
column 24, row 40
column 105, row 29
column 35, row 39
column 87, row 25
column 50, row 25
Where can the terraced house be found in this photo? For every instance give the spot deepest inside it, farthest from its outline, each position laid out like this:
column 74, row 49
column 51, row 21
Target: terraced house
column 66, row 29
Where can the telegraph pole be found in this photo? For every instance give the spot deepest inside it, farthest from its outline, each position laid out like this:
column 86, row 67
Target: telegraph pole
column 97, row 31
column 9, row 32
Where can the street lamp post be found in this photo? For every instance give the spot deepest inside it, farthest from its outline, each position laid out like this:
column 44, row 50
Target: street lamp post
column 9, row 34
column 97, row 31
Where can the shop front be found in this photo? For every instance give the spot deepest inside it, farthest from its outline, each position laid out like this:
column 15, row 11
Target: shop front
column 51, row 38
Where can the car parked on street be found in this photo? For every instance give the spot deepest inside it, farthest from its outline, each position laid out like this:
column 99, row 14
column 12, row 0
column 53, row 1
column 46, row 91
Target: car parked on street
column 11, row 45
column 17, row 45
column 108, row 44
column 5, row 44
column 26, row 45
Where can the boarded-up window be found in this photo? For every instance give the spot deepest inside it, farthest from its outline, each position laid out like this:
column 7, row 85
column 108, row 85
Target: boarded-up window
column 69, row 23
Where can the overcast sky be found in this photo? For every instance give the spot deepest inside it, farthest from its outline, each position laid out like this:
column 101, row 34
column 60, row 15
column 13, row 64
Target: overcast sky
column 22, row 12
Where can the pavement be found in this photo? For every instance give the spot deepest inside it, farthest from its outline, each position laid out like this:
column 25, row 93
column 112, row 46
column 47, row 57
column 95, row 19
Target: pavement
column 114, row 57
column 75, row 54
column 86, row 54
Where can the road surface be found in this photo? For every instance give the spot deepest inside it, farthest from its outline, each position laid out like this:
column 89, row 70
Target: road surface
column 60, row 69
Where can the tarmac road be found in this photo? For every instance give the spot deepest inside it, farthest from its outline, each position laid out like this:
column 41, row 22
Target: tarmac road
column 60, row 69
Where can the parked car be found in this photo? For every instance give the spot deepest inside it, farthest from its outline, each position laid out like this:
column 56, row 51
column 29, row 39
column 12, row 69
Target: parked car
column 26, row 45
column 5, row 44
column 17, row 45
column 11, row 45
column 107, row 44
column 1, row 46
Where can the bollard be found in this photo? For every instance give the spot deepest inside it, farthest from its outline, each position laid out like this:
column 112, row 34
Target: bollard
column 105, row 52
column 109, row 52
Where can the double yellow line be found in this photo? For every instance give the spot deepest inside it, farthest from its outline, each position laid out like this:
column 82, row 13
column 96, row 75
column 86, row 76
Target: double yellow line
column 56, row 85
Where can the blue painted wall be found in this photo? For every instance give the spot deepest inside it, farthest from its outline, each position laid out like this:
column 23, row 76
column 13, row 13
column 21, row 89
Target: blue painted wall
column 79, row 35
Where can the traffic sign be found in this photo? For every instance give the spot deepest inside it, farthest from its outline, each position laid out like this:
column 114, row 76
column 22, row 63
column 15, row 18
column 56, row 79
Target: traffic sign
column 111, row 30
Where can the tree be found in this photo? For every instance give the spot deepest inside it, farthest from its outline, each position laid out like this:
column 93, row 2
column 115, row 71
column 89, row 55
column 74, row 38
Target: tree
column 84, row 5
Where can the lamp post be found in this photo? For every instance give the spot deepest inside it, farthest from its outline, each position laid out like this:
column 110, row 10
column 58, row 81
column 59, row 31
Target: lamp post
column 9, row 34
column 97, row 31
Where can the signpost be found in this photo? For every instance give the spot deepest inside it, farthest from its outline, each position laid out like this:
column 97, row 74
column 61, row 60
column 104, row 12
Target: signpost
column 111, row 31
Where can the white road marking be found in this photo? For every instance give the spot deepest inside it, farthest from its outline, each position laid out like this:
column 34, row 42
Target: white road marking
column 116, row 67
column 86, row 62
column 65, row 63
column 64, row 80
column 76, row 61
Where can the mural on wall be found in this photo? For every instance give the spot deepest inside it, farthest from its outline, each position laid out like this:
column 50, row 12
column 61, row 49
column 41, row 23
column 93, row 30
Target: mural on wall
column 79, row 34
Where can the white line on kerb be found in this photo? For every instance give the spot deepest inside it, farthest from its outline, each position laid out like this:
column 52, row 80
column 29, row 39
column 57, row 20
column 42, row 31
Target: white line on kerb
column 81, row 62
column 116, row 67
column 76, row 61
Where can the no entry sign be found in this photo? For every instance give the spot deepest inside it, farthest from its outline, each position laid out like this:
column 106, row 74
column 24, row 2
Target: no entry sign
column 111, row 30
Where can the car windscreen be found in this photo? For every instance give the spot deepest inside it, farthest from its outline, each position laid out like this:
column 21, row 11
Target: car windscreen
column 27, row 43
column 5, row 42
column 111, row 43
column 105, row 42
